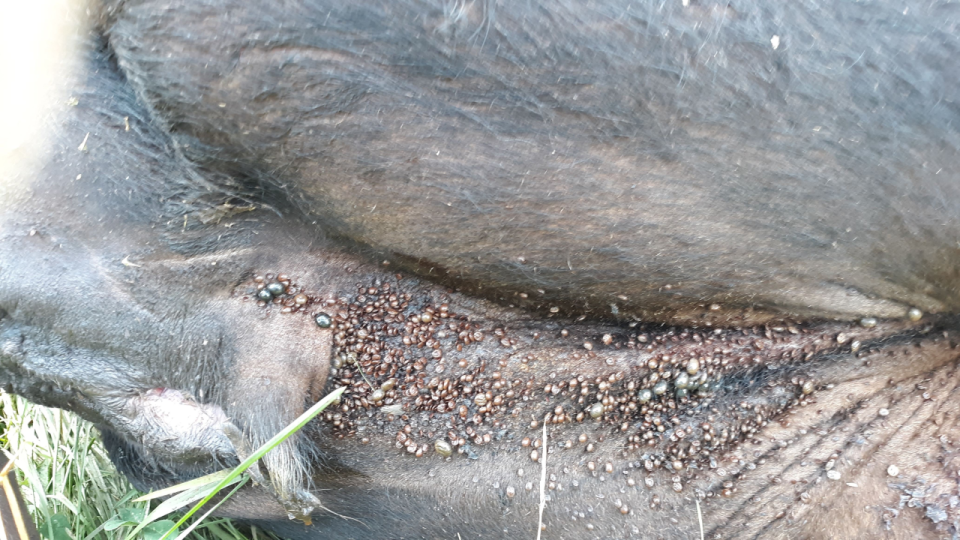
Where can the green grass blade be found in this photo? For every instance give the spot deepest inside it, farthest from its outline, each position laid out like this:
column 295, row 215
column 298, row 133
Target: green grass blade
column 213, row 528
column 196, row 482
column 292, row 428
column 56, row 450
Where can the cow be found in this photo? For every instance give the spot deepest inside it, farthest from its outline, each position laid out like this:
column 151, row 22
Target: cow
column 585, row 270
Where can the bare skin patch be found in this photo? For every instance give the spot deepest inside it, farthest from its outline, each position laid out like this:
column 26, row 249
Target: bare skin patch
column 664, row 413
column 172, row 420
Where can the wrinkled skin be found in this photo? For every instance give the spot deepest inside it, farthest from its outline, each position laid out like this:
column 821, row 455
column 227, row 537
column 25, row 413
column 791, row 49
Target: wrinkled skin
column 570, row 205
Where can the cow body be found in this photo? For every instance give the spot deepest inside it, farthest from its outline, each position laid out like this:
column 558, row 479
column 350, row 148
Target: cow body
column 678, row 259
